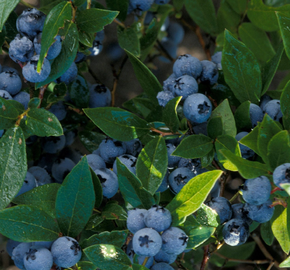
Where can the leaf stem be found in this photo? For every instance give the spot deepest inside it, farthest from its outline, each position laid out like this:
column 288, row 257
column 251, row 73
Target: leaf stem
column 119, row 23
column 21, row 116
column 163, row 133
column 164, row 51
column 89, row 3
column 275, row 189
column 145, row 261
column 74, row 14
column 234, row 197
column 26, row 4
column 205, row 257
column 41, row 93
column 93, row 74
column 78, row 111
column 278, row 202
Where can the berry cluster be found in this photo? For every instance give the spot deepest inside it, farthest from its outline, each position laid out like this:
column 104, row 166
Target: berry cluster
column 154, row 238
column 64, row 252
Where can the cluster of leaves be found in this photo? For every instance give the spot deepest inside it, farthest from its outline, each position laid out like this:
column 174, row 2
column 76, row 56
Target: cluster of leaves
column 252, row 54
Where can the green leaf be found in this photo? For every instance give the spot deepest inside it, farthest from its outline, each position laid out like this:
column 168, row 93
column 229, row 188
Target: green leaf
column 108, row 257
column 121, row 6
column 257, row 40
column 8, row 114
column 84, row 265
column 251, row 140
column 241, row 70
column 90, row 139
column 267, row 129
column 54, row 20
column 27, row 224
column 113, row 211
column 75, row 200
column 78, row 3
column 67, row 55
column 94, row 221
column 93, row 20
column 10, row 26
column 116, row 238
column 238, row 6
column 242, row 116
column 43, row 123
column 170, row 116
column 229, row 143
column 131, row 188
column 264, row 16
column 86, row 38
column 247, row 169
column 192, row 195
column 42, row 197
column 178, row 4
column 79, row 92
column 279, row 149
column 58, row 92
column 285, row 264
column 285, row 107
column 283, row 20
column 152, row 164
column 98, row 189
column 266, row 233
column 194, row 146
column 6, row 7
column 280, row 224
column 207, row 159
column 118, row 123
column 46, row 7
column 146, row 78
column 215, row 127
column 128, row 39
column 207, row 216
column 225, row 112
column 34, row 103
column 242, row 252
column 13, row 164
column 203, row 13
column 270, row 68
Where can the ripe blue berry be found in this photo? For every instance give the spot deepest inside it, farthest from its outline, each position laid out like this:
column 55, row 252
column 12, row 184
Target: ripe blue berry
column 236, row 232
column 70, row 75
column 96, row 162
column 184, row 86
column 217, row 59
column 54, row 49
column 164, row 185
column 162, row 266
column 4, row 94
column 187, row 65
column 129, row 161
column 38, row 258
column 61, row 168
column 281, row 175
column 240, row 213
column 109, row 181
column 21, row 49
column 133, row 147
column 169, row 82
column 273, row 109
column 164, row 97
column 110, row 149
column 11, row 245
column 135, row 220
column 175, row 32
column 100, row 96
column 174, row 241
column 172, row 160
column 28, row 184
column 59, row 110
column 223, row 208
column 245, row 150
column 179, row 178
column 53, row 145
column 18, row 254
column 22, row 98
column 158, row 218
column 10, row 82
column 264, row 100
column 209, row 73
column 256, row 114
column 140, row 5
column 162, row 256
column 260, row 213
column 41, row 175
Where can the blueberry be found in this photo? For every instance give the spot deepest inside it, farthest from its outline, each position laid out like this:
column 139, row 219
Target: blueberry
column 147, row 242
column 110, row 149
column 53, row 145
column 30, row 70
column 273, row 109
column 96, row 162
column 66, row 252
column 164, row 185
column 109, row 181
column 135, row 220
column 200, row 128
column 28, row 184
column 197, row 108
column 22, row 98
column 140, row 5
column 256, row 114
column 187, row 65
column 80, row 57
column 184, row 86
column 46, row 161
column 222, row 207
column 256, row 190
column 161, row 266
column 6, row 68
column 179, row 178
column 70, row 75
column 21, row 49
column 54, row 49
column 264, row 100
column 161, row 2
column 172, row 160
column 281, row 175
column 175, row 32
column 71, row 153
column 133, row 147
column 192, row 164
column 260, row 213
column 70, row 136
column 100, row 96
column 30, row 22
column 162, row 256
column 164, row 97
column 4, row 94
column 240, row 213
column 11, row 82
column 11, row 245
column 41, row 175
column 114, row 51
column 1, row 132
column 97, row 44
column 18, row 254
column 61, row 168
column 209, row 73
column 59, row 110
column 38, row 258
column 171, row 48
column 129, row 161
column 45, row 244
column 174, row 241
column 215, row 192
column 236, row 232
column 158, row 218
column 217, row 59
column 245, row 150
column 169, row 82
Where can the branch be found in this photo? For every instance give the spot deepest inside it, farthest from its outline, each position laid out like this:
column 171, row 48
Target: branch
column 205, row 257
column 41, row 93
column 93, row 75
column 119, row 23
column 89, row 3
column 234, row 197
column 163, row 133
column 243, row 261
column 275, row 189
column 223, row 179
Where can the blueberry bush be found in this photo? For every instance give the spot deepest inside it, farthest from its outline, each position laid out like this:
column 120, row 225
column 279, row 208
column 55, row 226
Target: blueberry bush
column 151, row 190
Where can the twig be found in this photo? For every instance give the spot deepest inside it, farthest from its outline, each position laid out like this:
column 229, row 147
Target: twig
column 223, row 180
column 78, row 111
column 278, row 202
column 41, row 93
column 117, row 76
column 26, row 4
column 21, row 116
column 215, row 165
column 275, row 189
column 243, row 261
column 270, row 266
column 234, row 197
column 74, row 14
column 89, row 3
column 163, row 50
column 163, row 133
column 264, row 250
column 6, row 44
column 119, row 23
column 205, row 257
column 145, row 261
column 94, row 75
